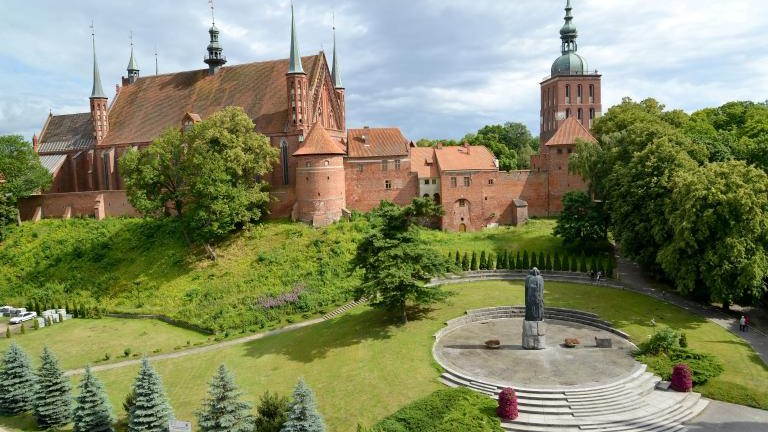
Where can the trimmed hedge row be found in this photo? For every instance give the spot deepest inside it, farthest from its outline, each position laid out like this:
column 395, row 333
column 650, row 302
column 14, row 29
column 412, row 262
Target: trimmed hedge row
column 523, row 260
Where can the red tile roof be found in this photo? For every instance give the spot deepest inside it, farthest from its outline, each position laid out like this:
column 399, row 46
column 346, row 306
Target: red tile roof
column 423, row 162
column 319, row 142
column 377, row 142
column 146, row 108
column 567, row 133
column 460, row 158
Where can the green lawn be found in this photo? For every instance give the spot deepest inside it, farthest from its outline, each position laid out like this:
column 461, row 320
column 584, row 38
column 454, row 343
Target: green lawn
column 364, row 366
column 80, row 342
column 535, row 236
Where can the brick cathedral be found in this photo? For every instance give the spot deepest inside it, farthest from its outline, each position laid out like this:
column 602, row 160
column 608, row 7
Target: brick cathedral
column 325, row 169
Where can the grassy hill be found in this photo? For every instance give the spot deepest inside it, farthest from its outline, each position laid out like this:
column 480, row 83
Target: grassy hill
column 146, row 266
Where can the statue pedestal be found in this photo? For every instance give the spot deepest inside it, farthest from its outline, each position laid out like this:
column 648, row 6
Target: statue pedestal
column 534, row 335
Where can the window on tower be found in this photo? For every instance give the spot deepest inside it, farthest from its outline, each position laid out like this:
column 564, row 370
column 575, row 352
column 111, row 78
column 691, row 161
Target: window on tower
column 581, row 113
column 591, row 93
column 567, row 94
column 284, row 160
column 578, row 94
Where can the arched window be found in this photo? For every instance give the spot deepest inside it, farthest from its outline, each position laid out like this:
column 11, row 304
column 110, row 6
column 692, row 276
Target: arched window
column 284, row 160
column 436, row 198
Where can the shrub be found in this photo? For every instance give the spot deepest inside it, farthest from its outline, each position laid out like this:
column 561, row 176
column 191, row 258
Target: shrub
column 7, row 332
column 683, row 341
column 526, row 261
column 704, row 367
column 542, row 262
column 127, row 352
column 682, row 380
column 483, row 265
column 492, row 261
column 534, row 260
column 557, row 264
column 548, row 263
column 507, row 409
column 663, row 341
column 473, row 264
column 107, row 356
column 36, row 324
column 465, row 262
column 458, row 259
column 272, row 412
column 574, row 266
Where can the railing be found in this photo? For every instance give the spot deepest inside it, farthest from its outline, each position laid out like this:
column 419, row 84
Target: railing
column 587, row 73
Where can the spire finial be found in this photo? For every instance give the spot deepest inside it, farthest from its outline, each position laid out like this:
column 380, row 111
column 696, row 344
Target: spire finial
column 156, row 68
column 568, row 32
column 97, row 92
column 295, row 66
column 336, row 71
column 213, row 17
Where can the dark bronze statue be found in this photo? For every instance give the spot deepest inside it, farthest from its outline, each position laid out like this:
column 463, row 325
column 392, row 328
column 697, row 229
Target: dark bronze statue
column 534, row 296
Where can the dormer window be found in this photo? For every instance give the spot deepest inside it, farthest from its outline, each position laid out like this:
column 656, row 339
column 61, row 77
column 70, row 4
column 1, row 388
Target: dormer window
column 189, row 120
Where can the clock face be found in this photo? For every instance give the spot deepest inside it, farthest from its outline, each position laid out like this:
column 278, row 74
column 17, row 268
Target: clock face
column 560, row 116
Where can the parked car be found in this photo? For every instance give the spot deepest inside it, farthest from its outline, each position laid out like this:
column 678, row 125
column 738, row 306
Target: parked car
column 26, row 316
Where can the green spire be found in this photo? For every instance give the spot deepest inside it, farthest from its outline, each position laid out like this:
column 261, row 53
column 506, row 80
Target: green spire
column 98, row 91
column 295, row 61
column 568, row 32
column 132, row 65
column 336, row 72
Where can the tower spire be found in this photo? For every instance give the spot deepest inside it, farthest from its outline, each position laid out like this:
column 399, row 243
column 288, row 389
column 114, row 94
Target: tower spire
column 336, row 71
column 215, row 59
column 133, row 67
column 568, row 32
column 157, row 70
column 97, row 92
column 295, row 66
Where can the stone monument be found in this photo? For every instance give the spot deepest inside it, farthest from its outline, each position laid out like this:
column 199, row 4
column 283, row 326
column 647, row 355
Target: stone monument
column 534, row 329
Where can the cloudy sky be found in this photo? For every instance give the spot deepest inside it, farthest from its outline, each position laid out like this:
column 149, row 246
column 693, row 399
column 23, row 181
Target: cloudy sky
column 436, row 68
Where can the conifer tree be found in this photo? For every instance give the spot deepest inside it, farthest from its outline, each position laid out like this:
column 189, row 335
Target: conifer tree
column 502, row 262
column 303, row 415
column 273, row 412
column 483, row 261
column 465, row 262
column 53, row 401
column 458, row 259
column 491, row 261
column 593, row 265
column 222, row 410
column 542, row 263
column 93, row 412
column 526, row 262
column 574, row 263
column 556, row 265
column 534, row 260
column 17, row 382
column 583, row 264
column 151, row 410
column 548, row 262
column 518, row 262
column 473, row 265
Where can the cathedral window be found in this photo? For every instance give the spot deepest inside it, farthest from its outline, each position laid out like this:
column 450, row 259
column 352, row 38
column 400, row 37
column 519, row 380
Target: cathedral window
column 388, row 184
column 284, row 160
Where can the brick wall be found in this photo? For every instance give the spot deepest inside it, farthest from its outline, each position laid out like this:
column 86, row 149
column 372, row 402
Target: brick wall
column 320, row 189
column 366, row 183
column 80, row 204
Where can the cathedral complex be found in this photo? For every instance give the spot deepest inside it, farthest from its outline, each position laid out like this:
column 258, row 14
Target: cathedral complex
column 325, row 169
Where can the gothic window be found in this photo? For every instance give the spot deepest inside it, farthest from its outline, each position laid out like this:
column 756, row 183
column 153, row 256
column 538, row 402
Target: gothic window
column 105, row 162
column 591, row 113
column 463, row 203
column 284, row 160
column 436, row 198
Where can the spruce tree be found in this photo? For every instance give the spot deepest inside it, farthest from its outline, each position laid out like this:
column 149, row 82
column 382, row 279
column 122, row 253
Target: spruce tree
column 518, row 262
column 474, row 265
column 526, row 263
column 502, row 262
column 583, row 264
column 458, row 259
column 534, row 260
column 483, row 261
column 17, row 382
column 151, row 411
column 556, row 265
column 53, row 399
column 222, row 410
column 303, row 415
column 548, row 262
column 464, row 263
column 273, row 412
column 491, row 261
column 574, row 264
column 93, row 412
column 542, row 263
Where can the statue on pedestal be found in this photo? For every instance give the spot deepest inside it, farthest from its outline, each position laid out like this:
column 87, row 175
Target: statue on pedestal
column 534, row 329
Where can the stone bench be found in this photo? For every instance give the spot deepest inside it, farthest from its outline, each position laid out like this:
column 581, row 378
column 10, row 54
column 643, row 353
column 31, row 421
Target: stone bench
column 603, row 343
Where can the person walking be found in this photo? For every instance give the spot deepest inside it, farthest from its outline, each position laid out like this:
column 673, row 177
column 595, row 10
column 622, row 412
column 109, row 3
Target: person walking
column 742, row 323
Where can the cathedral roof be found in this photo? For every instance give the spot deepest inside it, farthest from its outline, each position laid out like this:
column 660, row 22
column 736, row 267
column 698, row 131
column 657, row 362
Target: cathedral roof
column 144, row 110
column 65, row 133
column 465, row 158
column 319, row 142
column 567, row 133
column 377, row 142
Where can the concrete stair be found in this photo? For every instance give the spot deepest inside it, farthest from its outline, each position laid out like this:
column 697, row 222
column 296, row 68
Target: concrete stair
column 344, row 309
column 629, row 404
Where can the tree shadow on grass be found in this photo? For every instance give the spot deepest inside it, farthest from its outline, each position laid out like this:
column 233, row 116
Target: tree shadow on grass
column 315, row 342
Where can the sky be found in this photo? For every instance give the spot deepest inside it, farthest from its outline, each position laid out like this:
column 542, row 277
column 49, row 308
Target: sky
column 434, row 68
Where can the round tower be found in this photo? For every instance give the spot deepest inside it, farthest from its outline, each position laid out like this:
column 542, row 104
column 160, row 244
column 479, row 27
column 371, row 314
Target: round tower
column 320, row 179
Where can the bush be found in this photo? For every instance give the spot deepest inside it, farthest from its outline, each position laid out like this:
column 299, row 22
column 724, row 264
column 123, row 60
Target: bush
column 704, row 367
column 663, row 341
column 473, row 264
column 683, row 341
column 448, row 410
column 507, row 408
column 36, row 324
column 483, row 261
column 107, row 356
column 127, row 352
column 682, row 380
column 7, row 332
column 465, row 262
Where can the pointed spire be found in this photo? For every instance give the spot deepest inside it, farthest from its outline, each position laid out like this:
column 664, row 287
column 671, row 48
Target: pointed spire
column 295, row 66
column 336, row 72
column 97, row 92
column 568, row 32
column 157, row 70
column 133, row 67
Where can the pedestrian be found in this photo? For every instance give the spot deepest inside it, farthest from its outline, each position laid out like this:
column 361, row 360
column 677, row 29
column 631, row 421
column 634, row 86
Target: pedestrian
column 742, row 323
column 746, row 323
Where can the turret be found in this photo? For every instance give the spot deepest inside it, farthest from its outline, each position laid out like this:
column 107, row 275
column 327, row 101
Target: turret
column 215, row 58
column 337, row 84
column 99, row 108
column 133, row 68
column 297, row 85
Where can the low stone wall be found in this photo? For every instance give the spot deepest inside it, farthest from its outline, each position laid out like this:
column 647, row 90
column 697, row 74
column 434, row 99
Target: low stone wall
column 96, row 204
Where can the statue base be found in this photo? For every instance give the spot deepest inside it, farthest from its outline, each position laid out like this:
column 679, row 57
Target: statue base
column 534, row 335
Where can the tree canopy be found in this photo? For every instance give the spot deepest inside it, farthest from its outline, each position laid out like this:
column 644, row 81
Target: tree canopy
column 21, row 175
column 686, row 193
column 396, row 262
column 209, row 175
column 583, row 224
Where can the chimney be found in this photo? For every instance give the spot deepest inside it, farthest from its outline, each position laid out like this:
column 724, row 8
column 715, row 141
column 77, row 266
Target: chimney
column 466, row 146
column 34, row 142
column 439, row 145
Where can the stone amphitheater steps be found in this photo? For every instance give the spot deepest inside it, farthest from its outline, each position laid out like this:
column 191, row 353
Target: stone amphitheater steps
column 629, row 404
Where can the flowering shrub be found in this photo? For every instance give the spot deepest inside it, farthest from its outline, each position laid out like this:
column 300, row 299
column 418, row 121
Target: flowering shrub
column 507, row 409
column 571, row 342
column 682, row 379
column 282, row 299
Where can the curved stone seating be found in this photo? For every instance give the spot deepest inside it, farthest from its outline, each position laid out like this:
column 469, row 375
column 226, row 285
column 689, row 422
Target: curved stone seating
column 630, row 403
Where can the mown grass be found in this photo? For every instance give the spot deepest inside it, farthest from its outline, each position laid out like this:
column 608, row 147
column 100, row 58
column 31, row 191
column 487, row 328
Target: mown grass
column 535, row 236
column 80, row 342
column 364, row 365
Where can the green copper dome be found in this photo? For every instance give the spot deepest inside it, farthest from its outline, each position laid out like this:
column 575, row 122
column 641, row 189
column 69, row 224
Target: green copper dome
column 570, row 64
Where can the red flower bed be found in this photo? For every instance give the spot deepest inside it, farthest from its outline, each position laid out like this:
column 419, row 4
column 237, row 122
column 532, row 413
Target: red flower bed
column 507, row 409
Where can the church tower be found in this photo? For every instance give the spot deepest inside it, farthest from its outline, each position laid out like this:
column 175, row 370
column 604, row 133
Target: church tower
column 572, row 90
column 99, row 107
column 215, row 58
column 297, row 85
